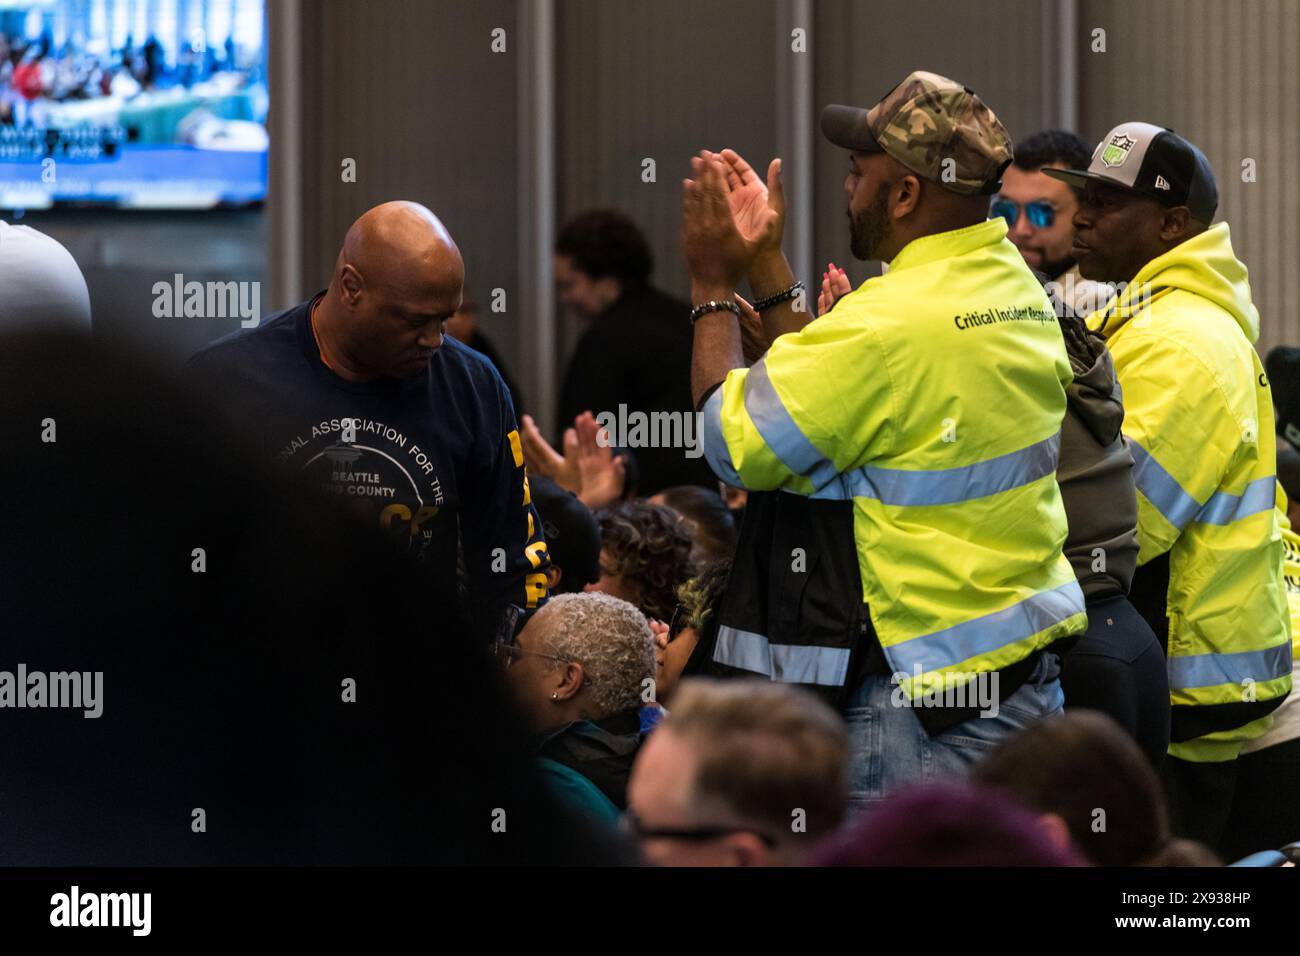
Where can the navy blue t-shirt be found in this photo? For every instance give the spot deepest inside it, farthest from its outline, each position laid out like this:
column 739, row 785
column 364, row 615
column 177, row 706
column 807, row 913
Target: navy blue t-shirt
column 433, row 460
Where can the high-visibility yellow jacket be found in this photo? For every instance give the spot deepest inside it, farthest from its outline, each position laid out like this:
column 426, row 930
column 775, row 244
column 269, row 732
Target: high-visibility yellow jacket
column 931, row 398
column 1199, row 420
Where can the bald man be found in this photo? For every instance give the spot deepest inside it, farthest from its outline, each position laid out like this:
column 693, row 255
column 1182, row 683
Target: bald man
column 359, row 390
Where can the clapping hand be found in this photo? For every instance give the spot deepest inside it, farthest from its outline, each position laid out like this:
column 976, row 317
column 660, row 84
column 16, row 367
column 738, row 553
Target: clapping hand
column 717, row 251
column 601, row 472
column 541, row 459
column 835, row 284
column 587, row 468
column 757, row 210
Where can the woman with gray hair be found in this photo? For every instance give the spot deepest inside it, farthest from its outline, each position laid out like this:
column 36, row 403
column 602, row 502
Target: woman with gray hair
column 580, row 670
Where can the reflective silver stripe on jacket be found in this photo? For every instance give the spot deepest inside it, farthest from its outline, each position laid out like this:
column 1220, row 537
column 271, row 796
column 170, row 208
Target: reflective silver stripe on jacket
column 983, row 635
column 787, row 663
column 1210, row 670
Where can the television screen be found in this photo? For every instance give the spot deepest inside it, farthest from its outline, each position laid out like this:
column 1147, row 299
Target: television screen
column 143, row 104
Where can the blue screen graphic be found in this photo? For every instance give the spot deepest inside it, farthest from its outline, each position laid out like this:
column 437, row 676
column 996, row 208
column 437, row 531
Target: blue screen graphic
column 132, row 103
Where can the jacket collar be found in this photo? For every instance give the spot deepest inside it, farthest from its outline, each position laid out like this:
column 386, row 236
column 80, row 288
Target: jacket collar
column 950, row 244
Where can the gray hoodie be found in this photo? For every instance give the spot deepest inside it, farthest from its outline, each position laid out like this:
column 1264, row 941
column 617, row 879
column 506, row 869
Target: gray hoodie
column 1095, row 471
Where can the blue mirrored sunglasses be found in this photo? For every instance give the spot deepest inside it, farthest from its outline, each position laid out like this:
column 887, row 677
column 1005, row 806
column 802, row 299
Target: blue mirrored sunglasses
column 1040, row 213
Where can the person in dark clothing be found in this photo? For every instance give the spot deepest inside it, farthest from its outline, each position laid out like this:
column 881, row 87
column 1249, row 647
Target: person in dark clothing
column 636, row 351
column 463, row 326
column 1282, row 364
column 579, row 670
column 277, row 686
column 359, row 391
column 1039, row 211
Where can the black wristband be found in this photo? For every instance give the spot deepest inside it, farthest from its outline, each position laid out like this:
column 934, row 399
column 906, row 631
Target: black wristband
column 774, row 300
column 714, row 305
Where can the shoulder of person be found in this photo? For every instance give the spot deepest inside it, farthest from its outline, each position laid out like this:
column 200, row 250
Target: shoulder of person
column 244, row 346
column 648, row 302
column 1187, row 324
column 472, row 368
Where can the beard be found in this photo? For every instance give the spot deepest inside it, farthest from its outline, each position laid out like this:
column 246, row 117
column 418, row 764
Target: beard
column 869, row 228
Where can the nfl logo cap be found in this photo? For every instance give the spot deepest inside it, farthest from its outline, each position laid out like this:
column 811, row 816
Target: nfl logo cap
column 1153, row 162
column 935, row 127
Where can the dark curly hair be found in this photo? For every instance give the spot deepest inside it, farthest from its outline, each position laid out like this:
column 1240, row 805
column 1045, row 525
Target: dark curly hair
column 1051, row 146
column 708, row 519
column 604, row 242
column 650, row 550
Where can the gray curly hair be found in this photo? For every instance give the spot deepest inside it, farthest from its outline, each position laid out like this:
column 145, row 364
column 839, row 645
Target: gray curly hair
column 612, row 641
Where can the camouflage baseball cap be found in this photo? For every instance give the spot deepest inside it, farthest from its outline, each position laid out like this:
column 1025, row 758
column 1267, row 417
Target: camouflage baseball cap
column 923, row 122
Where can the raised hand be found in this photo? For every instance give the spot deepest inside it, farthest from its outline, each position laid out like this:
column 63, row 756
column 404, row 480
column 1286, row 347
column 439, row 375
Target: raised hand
column 541, row 459
column 717, row 253
column 835, row 284
column 757, row 210
column 601, row 473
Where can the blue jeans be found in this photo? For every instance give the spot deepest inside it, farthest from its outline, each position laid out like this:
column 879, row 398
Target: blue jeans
column 889, row 749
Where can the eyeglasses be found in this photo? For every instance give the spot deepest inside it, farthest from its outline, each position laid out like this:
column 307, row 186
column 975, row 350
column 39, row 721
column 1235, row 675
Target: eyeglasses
column 507, row 654
column 632, row 825
column 1040, row 212
column 511, row 624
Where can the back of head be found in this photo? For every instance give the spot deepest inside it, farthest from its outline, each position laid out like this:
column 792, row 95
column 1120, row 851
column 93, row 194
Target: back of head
column 1052, row 147
column 941, row 132
column 1084, row 768
column 41, row 286
column 1179, row 852
column 606, row 243
column 649, row 548
column 764, row 752
column 612, row 641
column 709, row 520
column 946, row 824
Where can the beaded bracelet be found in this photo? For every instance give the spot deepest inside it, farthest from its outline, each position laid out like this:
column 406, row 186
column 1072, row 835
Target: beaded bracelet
column 772, row 300
column 714, row 305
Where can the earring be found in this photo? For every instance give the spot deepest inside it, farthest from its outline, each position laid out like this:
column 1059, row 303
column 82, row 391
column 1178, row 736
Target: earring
column 555, row 695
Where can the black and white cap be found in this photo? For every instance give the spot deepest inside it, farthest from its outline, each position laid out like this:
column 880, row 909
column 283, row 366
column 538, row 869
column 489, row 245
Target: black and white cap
column 1153, row 162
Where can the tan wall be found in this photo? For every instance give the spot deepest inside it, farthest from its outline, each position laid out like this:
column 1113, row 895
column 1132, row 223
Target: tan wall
column 658, row 79
column 1226, row 76
column 410, row 89
column 995, row 47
